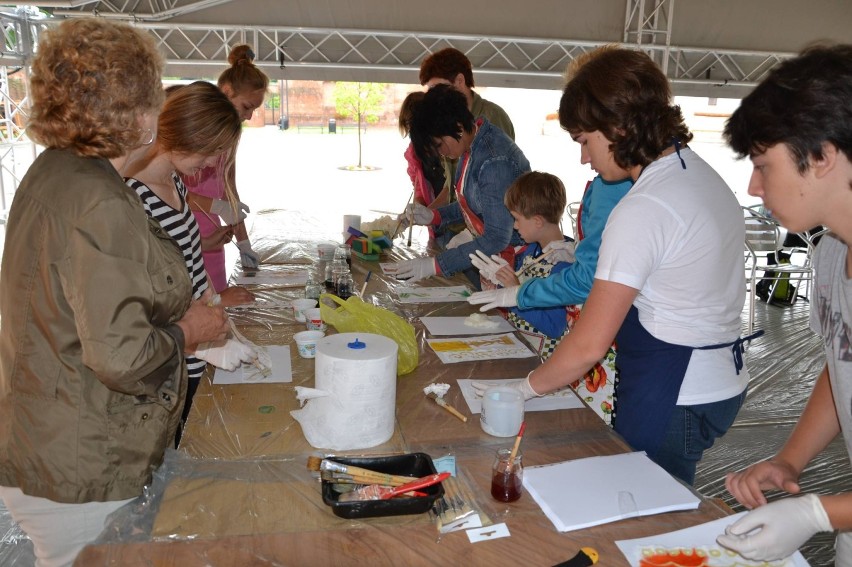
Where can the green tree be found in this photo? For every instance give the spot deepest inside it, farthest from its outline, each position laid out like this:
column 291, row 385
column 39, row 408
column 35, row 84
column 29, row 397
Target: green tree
column 360, row 101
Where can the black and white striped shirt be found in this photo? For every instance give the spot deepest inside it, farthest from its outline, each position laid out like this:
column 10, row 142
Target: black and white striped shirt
column 183, row 229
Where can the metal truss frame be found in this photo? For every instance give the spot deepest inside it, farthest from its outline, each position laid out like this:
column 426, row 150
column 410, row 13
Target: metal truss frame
column 498, row 60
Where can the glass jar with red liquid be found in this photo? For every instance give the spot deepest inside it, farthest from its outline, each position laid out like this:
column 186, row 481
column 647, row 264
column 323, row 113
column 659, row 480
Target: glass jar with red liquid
column 507, row 477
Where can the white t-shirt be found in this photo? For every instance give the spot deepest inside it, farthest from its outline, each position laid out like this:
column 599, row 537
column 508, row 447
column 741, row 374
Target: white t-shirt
column 677, row 237
column 831, row 318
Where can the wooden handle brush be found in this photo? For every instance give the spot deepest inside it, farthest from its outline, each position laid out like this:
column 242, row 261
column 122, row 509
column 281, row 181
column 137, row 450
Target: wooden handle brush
column 318, row 464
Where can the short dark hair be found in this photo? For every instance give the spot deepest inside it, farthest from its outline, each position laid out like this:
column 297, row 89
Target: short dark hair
column 446, row 64
column 803, row 102
column 623, row 94
column 537, row 193
column 442, row 112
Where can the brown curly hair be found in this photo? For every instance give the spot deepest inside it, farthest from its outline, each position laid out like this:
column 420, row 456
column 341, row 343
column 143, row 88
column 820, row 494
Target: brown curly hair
column 243, row 75
column 91, row 81
column 624, row 95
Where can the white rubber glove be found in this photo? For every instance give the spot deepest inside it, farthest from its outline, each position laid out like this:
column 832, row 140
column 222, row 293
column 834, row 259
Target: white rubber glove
column 419, row 213
column 463, row 237
column 523, row 386
column 776, row 530
column 502, row 297
column 248, row 257
column 229, row 215
column 487, row 267
column 417, row 269
column 559, row 251
column 227, row 354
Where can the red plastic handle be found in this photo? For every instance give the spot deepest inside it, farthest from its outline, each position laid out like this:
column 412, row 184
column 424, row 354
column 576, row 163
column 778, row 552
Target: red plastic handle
column 422, row 482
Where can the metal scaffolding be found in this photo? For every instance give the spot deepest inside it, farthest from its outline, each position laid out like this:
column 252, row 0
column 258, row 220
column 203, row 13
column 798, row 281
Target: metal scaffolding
column 198, row 50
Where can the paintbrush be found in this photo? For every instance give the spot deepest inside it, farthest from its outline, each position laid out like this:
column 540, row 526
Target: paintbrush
column 443, row 403
column 402, row 216
column 364, row 287
column 533, row 263
column 376, row 492
column 319, row 464
column 517, row 443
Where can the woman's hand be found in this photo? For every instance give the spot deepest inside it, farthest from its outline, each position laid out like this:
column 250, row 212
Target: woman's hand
column 217, row 239
column 203, row 322
column 236, row 295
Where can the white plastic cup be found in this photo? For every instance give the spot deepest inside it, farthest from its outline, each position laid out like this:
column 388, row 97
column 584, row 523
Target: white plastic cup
column 502, row 411
column 353, row 221
column 299, row 306
column 306, row 343
column 313, row 319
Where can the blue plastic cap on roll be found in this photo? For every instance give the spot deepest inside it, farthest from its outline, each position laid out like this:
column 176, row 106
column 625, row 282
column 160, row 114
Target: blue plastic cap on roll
column 356, row 344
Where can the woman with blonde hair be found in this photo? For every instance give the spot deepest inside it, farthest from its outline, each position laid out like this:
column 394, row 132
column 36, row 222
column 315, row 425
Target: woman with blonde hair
column 197, row 128
column 211, row 198
column 95, row 299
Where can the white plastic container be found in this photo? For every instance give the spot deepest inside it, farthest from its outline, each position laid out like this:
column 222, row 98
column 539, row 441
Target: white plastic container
column 502, row 411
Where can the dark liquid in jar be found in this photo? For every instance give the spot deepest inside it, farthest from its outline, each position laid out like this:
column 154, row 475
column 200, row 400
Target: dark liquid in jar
column 505, row 486
column 344, row 291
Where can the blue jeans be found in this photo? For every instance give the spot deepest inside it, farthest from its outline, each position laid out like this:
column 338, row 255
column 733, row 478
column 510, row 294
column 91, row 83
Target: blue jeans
column 691, row 431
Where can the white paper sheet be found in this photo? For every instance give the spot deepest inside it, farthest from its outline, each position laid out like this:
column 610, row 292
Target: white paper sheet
column 249, row 374
column 485, row 347
column 432, row 294
column 262, row 303
column 388, row 268
column 456, row 326
column 626, row 485
column 294, row 278
column 699, row 539
column 562, row 399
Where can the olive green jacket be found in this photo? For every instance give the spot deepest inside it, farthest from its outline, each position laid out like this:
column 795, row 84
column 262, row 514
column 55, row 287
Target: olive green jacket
column 92, row 374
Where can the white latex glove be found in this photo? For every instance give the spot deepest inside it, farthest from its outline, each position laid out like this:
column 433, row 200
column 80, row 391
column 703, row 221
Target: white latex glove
column 419, row 213
column 228, row 354
column 776, row 530
column 463, row 237
column 248, row 257
column 417, row 269
column 487, row 267
column 523, row 387
column 223, row 208
column 559, row 251
column 502, row 297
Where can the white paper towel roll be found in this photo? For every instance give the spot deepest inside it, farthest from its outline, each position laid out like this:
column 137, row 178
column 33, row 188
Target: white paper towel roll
column 353, row 404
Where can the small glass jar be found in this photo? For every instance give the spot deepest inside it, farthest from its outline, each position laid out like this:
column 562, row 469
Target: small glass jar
column 332, row 269
column 507, row 478
column 344, row 252
column 313, row 287
column 344, row 285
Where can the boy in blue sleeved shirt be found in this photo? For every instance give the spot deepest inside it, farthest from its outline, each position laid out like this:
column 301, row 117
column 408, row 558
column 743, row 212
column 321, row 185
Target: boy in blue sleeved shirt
column 567, row 286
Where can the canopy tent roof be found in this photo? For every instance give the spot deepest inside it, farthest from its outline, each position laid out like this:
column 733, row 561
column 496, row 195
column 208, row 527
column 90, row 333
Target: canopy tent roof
column 718, row 48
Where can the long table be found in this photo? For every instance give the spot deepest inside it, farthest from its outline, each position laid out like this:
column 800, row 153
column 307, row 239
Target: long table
column 238, row 491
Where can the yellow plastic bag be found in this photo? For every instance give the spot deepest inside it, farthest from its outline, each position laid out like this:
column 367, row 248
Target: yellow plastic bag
column 355, row 316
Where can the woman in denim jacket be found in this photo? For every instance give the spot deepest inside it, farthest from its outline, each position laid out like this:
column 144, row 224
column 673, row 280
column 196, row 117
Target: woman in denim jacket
column 489, row 162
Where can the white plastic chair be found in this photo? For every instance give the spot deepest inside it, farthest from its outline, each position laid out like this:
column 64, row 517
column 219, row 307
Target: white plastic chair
column 573, row 211
column 763, row 237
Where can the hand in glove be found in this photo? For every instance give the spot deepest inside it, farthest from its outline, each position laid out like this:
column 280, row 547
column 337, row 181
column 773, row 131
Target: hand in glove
column 248, row 257
column 229, row 215
column 463, row 237
column 523, row 386
column 227, row 355
column 783, row 526
column 419, row 214
column 559, row 251
column 503, row 297
column 417, row 269
column 488, row 267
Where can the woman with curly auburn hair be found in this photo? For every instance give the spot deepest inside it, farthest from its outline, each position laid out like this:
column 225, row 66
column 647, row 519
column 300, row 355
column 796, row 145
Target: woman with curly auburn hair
column 669, row 285
column 95, row 299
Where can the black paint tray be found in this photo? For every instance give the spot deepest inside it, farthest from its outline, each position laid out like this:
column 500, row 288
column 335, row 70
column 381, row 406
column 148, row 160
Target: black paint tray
column 415, row 465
